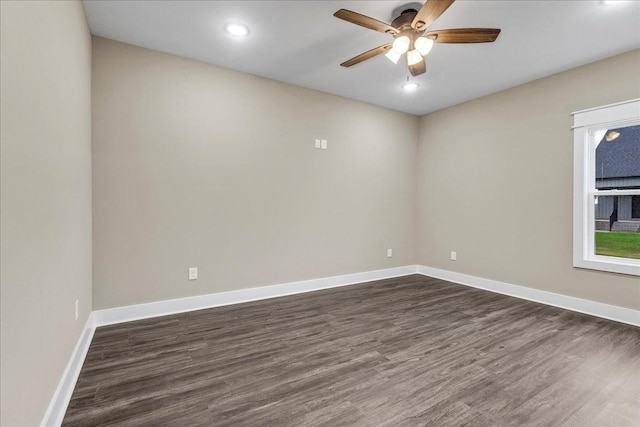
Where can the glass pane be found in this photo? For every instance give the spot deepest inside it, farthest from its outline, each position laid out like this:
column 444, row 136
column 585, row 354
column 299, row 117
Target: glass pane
column 617, row 160
column 617, row 218
column 617, row 233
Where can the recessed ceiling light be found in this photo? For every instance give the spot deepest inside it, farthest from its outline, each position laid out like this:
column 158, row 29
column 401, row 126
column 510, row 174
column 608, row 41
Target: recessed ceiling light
column 409, row 86
column 236, row 29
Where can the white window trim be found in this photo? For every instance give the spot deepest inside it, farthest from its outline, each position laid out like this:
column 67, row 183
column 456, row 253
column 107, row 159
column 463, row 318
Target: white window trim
column 586, row 122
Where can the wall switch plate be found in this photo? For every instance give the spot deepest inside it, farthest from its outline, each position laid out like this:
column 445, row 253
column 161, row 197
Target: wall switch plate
column 317, row 143
column 389, row 253
column 323, row 143
column 193, row 273
column 77, row 309
column 454, row 256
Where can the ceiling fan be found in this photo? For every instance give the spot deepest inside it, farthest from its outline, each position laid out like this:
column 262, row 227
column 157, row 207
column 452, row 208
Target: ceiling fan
column 411, row 36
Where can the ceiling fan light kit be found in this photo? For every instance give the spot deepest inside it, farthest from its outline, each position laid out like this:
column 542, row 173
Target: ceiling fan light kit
column 401, row 45
column 411, row 36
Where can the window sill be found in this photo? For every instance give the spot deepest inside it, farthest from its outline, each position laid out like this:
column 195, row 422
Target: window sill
column 609, row 264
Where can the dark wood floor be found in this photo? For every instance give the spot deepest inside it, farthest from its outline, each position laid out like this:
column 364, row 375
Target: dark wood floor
column 401, row 352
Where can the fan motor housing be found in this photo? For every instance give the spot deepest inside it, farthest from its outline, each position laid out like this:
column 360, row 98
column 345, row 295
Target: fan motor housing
column 403, row 22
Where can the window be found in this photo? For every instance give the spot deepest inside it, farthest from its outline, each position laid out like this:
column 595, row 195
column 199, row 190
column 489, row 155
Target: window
column 635, row 207
column 606, row 199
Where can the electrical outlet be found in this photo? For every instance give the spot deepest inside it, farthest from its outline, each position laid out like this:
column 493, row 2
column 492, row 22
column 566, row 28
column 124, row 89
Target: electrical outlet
column 389, row 253
column 77, row 309
column 193, row 273
column 454, row 256
column 317, row 143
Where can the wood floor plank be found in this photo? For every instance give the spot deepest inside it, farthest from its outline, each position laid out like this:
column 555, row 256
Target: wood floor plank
column 399, row 352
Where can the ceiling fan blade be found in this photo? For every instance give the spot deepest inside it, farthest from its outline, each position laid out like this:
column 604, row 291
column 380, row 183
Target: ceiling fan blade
column 419, row 68
column 464, row 35
column 429, row 12
column 365, row 21
column 367, row 55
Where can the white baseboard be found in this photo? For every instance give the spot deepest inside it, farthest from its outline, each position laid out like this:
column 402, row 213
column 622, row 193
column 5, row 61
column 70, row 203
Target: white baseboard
column 61, row 397
column 606, row 311
column 162, row 308
column 180, row 305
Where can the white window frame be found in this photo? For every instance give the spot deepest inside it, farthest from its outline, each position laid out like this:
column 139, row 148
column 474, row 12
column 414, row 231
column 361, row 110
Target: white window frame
column 586, row 124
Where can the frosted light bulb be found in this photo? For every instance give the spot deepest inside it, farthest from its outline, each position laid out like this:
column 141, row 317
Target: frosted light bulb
column 413, row 57
column 423, row 45
column 393, row 56
column 401, row 44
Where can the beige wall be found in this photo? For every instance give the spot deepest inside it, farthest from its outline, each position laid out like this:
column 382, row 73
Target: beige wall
column 45, row 205
column 199, row 166
column 495, row 183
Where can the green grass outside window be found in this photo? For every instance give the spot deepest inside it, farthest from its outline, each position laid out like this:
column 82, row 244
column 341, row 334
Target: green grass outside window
column 623, row 245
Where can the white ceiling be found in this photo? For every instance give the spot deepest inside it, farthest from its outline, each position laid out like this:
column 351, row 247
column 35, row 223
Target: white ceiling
column 302, row 43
